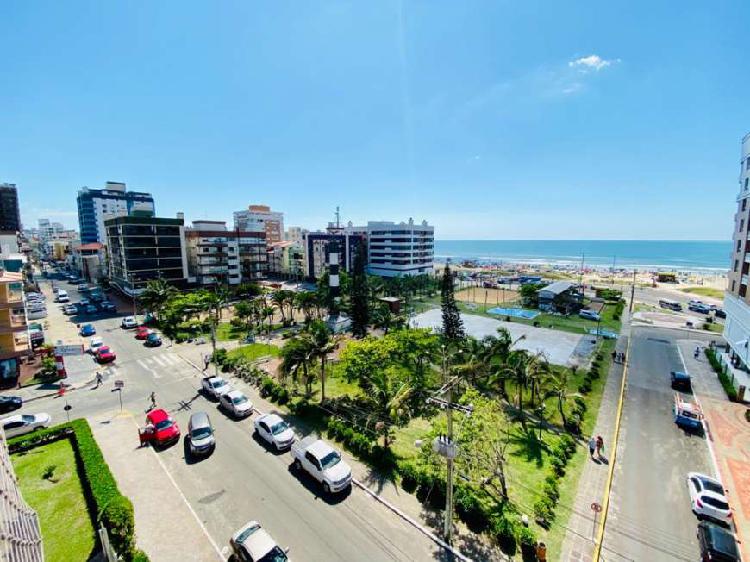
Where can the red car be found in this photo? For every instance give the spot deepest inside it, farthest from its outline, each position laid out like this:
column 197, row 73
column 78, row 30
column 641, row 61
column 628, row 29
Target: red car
column 105, row 355
column 141, row 333
column 161, row 430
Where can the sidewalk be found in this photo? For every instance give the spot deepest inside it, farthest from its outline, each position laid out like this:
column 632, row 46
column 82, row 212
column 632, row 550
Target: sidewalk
column 728, row 437
column 140, row 476
column 578, row 545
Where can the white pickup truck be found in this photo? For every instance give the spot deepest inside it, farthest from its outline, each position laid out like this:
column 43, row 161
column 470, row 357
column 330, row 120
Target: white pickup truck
column 322, row 462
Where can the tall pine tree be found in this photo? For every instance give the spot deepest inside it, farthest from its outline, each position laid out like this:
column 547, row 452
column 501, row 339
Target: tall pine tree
column 360, row 312
column 453, row 326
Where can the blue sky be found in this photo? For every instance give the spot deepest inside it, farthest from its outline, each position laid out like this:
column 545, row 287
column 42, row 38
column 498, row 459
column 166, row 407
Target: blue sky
column 495, row 119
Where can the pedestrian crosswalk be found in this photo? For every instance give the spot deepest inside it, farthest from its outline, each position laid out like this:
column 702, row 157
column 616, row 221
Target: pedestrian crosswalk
column 157, row 364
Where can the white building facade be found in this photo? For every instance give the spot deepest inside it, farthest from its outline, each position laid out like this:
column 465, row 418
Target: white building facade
column 398, row 249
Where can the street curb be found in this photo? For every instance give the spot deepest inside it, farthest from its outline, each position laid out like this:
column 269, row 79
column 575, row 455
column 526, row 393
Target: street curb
column 638, row 324
column 51, row 394
column 610, row 475
column 426, row 532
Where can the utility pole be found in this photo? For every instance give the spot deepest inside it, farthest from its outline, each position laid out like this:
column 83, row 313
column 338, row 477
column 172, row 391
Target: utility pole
column 444, row 445
column 632, row 293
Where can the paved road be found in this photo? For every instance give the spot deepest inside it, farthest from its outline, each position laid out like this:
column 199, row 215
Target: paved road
column 650, row 517
column 241, row 480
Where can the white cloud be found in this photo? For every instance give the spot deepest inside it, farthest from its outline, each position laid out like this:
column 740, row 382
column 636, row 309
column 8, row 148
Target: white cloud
column 591, row 62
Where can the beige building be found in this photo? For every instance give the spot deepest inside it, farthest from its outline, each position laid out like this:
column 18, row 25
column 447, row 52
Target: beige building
column 260, row 218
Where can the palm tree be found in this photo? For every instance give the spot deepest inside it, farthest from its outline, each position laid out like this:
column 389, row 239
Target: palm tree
column 498, row 349
column 388, row 400
column 156, row 295
column 558, row 388
column 322, row 344
column 518, row 369
column 278, row 298
column 473, row 360
column 305, row 302
column 297, row 354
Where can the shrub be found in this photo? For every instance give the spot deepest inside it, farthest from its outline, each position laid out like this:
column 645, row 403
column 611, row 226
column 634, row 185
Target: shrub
column 219, row 356
column 527, row 539
column 469, row 508
column 584, row 387
column 580, row 404
column 569, row 443
column 560, row 451
column 267, row 385
column 551, row 490
column 504, row 532
column 729, row 389
column 544, row 511
column 558, row 465
column 409, row 476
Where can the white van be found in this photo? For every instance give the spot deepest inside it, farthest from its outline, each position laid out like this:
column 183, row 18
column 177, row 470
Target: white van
column 62, row 296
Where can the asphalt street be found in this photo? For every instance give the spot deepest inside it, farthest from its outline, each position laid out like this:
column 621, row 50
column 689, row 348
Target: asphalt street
column 650, row 516
column 241, row 480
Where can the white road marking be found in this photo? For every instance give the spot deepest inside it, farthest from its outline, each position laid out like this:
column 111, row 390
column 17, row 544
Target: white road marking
column 144, row 364
column 717, row 473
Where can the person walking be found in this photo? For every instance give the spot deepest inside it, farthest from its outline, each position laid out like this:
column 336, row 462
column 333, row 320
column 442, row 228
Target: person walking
column 98, row 380
column 153, row 400
column 599, row 446
column 592, row 446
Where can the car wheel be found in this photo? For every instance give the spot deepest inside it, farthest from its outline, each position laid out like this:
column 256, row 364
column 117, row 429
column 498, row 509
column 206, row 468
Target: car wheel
column 326, row 488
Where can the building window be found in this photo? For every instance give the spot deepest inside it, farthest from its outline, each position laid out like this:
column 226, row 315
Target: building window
column 744, row 204
column 742, row 225
column 739, row 245
column 733, row 285
column 736, row 265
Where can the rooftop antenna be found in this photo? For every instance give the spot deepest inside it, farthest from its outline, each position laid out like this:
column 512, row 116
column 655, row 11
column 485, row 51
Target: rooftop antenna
column 338, row 217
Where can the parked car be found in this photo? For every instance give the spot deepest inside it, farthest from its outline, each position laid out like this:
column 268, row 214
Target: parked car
column 141, row 333
column 106, row 306
column 90, row 309
column 707, row 499
column 70, row 310
column 62, row 296
column 10, row 403
column 589, row 314
column 152, row 340
column 96, row 297
column 87, row 330
column 129, row 322
column 699, row 307
column 201, row 434
column 161, row 430
column 105, row 355
column 719, row 313
column 84, row 303
column 236, row 404
column 215, row 386
column 680, row 381
column 274, row 431
column 82, row 287
column 21, row 424
column 253, row 544
column 687, row 415
column 323, row 463
column 95, row 344
column 716, row 543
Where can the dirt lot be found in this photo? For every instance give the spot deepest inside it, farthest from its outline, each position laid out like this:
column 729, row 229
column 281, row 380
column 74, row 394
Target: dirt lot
column 494, row 296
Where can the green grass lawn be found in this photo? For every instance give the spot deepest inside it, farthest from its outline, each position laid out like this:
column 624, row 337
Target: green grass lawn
column 704, row 292
column 226, row 332
column 254, row 351
column 714, row 327
column 67, row 531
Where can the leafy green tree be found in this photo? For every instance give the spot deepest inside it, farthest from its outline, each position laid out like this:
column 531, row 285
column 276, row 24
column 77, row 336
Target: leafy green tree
column 360, row 313
column 297, row 355
column 322, row 345
column 388, row 401
column 453, row 326
column 156, row 295
column 305, row 302
column 530, row 294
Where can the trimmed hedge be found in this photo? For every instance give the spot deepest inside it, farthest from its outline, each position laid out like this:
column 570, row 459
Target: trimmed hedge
column 112, row 509
column 731, row 392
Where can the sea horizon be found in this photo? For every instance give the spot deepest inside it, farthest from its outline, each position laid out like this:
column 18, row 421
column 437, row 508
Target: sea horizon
column 676, row 255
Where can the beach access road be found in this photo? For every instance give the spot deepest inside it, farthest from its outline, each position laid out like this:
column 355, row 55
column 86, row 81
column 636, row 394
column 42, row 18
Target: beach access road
column 560, row 348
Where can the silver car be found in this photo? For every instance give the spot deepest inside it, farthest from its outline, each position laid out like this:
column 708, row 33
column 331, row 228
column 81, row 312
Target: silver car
column 201, row 434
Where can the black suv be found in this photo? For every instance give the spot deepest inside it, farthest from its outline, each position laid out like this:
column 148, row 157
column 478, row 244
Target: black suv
column 716, row 543
column 680, row 381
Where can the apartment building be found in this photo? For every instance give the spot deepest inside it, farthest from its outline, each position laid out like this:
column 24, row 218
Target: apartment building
column 397, row 249
column 286, row 259
column 14, row 337
column 295, row 234
column 95, row 206
column 317, row 247
column 737, row 299
column 260, row 218
column 146, row 248
column 213, row 254
column 10, row 216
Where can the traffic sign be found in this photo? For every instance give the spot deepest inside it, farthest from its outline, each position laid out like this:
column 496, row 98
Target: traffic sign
column 119, row 384
column 69, row 349
column 596, row 508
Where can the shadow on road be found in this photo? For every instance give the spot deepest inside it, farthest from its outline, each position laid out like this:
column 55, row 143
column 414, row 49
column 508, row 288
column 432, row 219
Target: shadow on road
column 267, row 446
column 316, row 489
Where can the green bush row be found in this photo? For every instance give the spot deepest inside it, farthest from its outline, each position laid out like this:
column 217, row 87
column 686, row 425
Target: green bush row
column 112, row 509
column 275, row 392
column 361, row 444
column 731, row 392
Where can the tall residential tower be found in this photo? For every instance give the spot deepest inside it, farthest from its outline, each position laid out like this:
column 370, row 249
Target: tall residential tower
column 97, row 205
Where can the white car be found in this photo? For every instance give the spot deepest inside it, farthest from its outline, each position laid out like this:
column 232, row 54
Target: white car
column 274, row 431
column 236, row 403
column 24, row 423
column 215, row 386
column 129, row 322
column 707, row 498
column 253, row 544
column 95, row 344
column 70, row 310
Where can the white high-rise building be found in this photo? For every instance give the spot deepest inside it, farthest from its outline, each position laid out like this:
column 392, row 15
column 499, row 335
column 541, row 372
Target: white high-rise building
column 260, row 218
column 398, row 249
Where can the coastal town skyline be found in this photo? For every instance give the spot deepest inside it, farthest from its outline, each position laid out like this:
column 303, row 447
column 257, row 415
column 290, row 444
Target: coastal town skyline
column 306, row 108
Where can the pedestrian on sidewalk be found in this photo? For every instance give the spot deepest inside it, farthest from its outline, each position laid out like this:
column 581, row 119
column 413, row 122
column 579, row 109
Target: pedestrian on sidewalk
column 541, row 552
column 98, row 380
column 599, row 446
column 153, row 400
column 592, row 446
column 614, row 356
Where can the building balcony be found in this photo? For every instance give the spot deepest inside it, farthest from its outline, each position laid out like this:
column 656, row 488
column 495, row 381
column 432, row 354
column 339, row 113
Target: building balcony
column 744, row 280
column 14, row 343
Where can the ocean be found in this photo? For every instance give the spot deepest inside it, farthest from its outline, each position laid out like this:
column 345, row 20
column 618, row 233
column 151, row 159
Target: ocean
column 677, row 255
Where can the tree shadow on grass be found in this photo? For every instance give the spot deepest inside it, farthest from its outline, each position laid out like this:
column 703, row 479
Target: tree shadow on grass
column 527, row 444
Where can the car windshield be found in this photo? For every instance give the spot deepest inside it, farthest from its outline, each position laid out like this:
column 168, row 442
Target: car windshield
column 712, row 486
column 274, row 555
column 279, row 427
column 242, row 537
column 28, row 418
column 201, row 432
column 164, row 424
column 331, row 459
column 715, row 502
column 218, row 382
column 241, row 399
column 723, row 541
